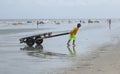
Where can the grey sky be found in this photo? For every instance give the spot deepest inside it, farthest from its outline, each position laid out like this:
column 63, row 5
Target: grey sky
column 59, row 9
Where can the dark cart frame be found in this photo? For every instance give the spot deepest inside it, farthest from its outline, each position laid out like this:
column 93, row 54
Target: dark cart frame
column 38, row 39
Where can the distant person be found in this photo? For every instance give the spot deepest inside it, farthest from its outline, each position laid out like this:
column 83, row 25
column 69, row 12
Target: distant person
column 80, row 21
column 109, row 21
column 37, row 24
column 73, row 33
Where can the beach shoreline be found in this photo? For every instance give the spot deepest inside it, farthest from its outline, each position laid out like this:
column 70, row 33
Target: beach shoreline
column 104, row 60
column 94, row 45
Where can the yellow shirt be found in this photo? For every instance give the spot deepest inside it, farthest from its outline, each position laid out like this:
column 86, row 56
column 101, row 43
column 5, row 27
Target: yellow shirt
column 74, row 31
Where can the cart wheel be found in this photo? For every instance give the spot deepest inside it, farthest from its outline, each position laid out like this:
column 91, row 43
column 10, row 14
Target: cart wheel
column 38, row 41
column 30, row 42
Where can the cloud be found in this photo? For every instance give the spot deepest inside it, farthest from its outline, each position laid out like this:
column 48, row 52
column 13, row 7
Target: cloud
column 75, row 2
column 58, row 8
column 60, row 3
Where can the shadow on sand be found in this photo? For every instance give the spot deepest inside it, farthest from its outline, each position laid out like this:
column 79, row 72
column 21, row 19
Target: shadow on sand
column 72, row 50
column 38, row 51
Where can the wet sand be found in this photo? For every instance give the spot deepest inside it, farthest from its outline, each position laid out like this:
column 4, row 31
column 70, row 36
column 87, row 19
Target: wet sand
column 104, row 60
column 16, row 58
column 57, row 58
column 13, row 31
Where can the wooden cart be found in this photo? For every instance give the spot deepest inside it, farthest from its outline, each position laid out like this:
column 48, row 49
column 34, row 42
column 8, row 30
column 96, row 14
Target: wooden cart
column 38, row 39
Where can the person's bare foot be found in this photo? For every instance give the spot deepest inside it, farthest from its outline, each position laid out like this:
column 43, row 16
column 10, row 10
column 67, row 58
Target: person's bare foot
column 68, row 44
column 74, row 45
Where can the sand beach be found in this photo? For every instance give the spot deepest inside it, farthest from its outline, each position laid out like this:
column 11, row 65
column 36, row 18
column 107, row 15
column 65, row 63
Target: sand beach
column 96, row 52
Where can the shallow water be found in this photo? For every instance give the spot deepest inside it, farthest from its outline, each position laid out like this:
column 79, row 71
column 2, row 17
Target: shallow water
column 16, row 58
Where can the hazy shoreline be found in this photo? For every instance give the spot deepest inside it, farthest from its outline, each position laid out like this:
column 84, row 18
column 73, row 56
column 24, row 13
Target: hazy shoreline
column 54, row 50
column 104, row 60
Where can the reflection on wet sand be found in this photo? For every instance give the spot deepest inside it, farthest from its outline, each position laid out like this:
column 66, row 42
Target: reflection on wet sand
column 34, row 51
column 38, row 51
column 72, row 50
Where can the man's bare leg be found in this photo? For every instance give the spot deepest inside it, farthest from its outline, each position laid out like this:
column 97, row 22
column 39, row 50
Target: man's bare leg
column 68, row 43
column 73, row 42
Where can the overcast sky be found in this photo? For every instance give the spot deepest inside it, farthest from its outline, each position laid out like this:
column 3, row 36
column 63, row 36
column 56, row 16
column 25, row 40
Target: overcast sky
column 63, row 9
